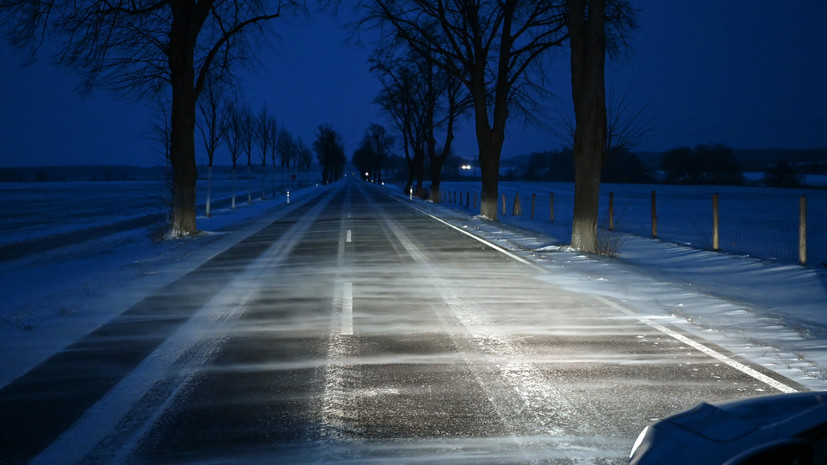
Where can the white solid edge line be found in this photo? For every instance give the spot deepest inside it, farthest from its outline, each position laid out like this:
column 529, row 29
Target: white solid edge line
column 694, row 344
column 702, row 348
column 484, row 241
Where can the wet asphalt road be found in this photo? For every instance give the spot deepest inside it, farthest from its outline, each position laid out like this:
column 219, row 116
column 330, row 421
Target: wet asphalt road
column 356, row 329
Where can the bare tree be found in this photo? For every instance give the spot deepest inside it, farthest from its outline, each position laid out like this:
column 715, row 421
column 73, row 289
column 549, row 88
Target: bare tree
column 285, row 147
column 263, row 138
column 235, row 138
column 248, row 141
column 304, row 155
column 627, row 125
column 593, row 25
column 330, row 151
column 421, row 99
column 490, row 47
column 213, row 126
column 444, row 96
column 398, row 99
column 273, row 135
column 160, row 132
column 142, row 47
column 374, row 148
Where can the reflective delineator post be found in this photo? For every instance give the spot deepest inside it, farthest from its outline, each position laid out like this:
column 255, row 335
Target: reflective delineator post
column 551, row 207
column 716, row 245
column 611, row 211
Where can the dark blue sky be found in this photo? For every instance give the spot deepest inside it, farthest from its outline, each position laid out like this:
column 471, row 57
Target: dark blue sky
column 746, row 73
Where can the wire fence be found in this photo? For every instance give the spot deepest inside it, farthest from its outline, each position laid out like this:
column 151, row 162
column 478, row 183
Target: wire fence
column 759, row 222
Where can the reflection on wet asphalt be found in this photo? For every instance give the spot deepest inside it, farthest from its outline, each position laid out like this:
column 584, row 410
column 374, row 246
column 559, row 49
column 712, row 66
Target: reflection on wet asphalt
column 354, row 328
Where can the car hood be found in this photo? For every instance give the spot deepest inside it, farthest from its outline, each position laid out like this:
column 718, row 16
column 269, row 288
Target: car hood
column 714, row 432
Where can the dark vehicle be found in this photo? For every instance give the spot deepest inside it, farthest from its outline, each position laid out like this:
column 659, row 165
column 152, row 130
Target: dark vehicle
column 777, row 429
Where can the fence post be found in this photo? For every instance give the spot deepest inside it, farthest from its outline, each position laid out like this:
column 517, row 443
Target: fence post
column 551, row 207
column 475, row 200
column 503, row 204
column 611, row 211
column 716, row 245
column 654, row 215
column 802, row 230
column 518, row 209
column 455, row 198
column 467, row 200
column 533, row 199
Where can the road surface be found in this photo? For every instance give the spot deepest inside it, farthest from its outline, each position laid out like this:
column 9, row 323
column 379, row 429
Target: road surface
column 356, row 328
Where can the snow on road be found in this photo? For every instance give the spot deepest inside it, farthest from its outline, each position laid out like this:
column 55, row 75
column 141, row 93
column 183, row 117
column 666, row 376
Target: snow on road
column 768, row 312
column 53, row 298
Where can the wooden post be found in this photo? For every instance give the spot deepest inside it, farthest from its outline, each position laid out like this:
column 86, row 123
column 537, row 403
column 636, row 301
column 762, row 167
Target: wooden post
column 475, row 200
column 467, row 200
column 654, row 216
column 611, row 211
column 455, row 198
column 533, row 200
column 802, row 230
column 503, row 204
column 716, row 244
column 551, row 207
column 518, row 209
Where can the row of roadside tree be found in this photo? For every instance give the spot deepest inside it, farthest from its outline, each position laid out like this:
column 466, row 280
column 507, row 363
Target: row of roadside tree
column 482, row 57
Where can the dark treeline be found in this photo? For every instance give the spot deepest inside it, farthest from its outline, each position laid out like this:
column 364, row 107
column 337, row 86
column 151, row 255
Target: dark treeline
column 81, row 173
column 701, row 165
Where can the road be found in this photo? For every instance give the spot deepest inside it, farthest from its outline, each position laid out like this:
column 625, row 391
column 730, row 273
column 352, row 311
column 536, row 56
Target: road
column 356, row 328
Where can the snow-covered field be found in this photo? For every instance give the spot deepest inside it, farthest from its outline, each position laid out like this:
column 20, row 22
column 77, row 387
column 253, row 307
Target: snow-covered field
column 37, row 210
column 769, row 311
column 756, row 221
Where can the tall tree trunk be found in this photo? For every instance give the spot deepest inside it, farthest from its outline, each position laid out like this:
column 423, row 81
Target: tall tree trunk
column 588, row 52
column 233, row 201
column 263, row 182
column 408, row 160
column 274, row 178
column 419, row 166
column 436, row 178
column 249, row 185
column 489, row 138
column 437, row 161
column 209, row 189
column 489, row 160
column 182, row 128
column 409, row 182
